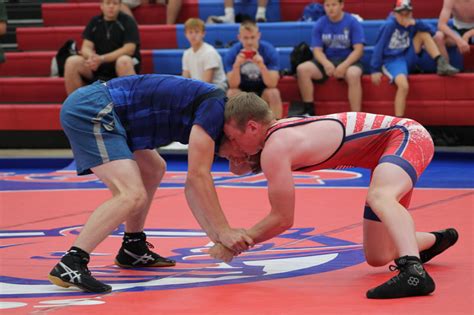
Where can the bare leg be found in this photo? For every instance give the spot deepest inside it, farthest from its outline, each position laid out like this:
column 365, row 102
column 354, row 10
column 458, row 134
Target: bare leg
column 441, row 42
column 379, row 247
column 74, row 70
column 126, row 9
column 306, row 73
column 123, row 178
column 124, row 66
column 401, row 81
column 423, row 39
column 273, row 98
column 389, row 184
column 172, row 11
column 152, row 168
column 353, row 79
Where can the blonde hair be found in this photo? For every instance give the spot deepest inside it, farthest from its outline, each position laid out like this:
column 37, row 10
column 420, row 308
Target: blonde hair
column 247, row 106
column 248, row 25
column 194, row 23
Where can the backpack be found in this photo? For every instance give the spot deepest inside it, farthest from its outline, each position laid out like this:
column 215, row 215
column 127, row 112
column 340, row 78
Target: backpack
column 300, row 54
column 57, row 63
column 312, row 12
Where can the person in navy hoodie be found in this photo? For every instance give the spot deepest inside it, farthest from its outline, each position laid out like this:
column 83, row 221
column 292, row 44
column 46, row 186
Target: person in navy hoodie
column 338, row 44
column 397, row 50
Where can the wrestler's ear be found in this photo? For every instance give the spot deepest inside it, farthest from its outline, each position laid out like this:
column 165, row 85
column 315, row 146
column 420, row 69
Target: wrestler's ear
column 252, row 126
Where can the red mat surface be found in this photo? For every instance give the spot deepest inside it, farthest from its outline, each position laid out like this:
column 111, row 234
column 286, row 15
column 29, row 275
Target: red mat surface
column 313, row 271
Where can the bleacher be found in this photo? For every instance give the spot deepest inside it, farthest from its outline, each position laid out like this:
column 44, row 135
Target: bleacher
column 30, row 99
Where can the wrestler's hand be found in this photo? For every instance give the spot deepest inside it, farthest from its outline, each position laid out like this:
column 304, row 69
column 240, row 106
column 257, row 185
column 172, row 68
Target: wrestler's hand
column 236, row 240
column 220, row 252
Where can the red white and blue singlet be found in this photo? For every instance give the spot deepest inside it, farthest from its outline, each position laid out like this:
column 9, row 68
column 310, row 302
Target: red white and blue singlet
column 371, row 139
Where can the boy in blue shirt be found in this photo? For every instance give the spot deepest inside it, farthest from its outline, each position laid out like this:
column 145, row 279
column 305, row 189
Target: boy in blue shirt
column 252, row 65
column 338, row 44
column 397, row 50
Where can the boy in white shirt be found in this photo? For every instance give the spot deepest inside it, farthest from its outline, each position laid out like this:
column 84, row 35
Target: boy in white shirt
column 202, row 61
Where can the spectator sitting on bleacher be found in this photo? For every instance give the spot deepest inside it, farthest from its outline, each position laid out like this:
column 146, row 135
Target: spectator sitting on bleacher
column 172, row 8
column 338, row 44
column 252, row 65
column 202, row 61
column 110, row 48
column 460, row 32
column 397, row 49
column 229, row 13
column 3, row 28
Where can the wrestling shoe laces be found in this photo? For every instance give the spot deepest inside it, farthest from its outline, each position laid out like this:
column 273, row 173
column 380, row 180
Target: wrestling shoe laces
column 136, row 253
column 411, row 280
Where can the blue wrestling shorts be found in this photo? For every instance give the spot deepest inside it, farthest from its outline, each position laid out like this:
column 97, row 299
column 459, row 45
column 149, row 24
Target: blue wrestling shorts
column 94, row 131
column 403, row 64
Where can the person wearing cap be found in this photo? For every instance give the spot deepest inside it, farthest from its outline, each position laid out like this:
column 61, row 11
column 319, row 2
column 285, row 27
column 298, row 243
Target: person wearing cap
column 397, row 49
column 458, row 32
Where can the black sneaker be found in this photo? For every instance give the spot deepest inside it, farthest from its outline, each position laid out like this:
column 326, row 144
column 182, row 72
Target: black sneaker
column 412, row 280
column 135, row 253
column 444, row 240
column 72, row 271
column 301, row 109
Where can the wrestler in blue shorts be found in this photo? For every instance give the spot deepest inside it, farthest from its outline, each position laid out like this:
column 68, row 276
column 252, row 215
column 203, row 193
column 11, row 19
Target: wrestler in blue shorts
column 113, row 129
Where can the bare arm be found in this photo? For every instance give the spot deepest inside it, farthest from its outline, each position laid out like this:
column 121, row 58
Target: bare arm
column 87, row 49
column 276, row 165
column 320, row 56
column 269, row 77
column 443, row 20
column 201, row 194
column 233, row 76
column 208, row 75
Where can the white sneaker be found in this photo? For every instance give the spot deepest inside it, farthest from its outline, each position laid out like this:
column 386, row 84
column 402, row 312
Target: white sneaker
column 213, row 19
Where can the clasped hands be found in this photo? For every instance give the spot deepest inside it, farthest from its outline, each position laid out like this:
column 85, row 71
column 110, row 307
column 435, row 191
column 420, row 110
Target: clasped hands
column 231, row 243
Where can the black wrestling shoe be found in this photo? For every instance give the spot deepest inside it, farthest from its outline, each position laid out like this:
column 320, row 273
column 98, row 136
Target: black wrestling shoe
column 444, row 240
column 412, row 280
column 135, row 253
column 72, row 271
